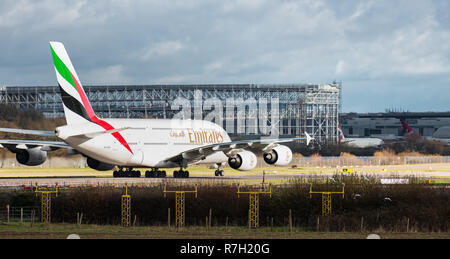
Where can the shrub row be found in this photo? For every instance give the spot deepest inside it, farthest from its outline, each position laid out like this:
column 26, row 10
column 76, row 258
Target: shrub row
column 367, row 205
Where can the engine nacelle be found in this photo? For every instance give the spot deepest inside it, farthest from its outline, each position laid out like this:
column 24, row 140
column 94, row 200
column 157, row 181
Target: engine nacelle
column 280, row 156
column 31, row 156
column 97, row 165
column 243, row 161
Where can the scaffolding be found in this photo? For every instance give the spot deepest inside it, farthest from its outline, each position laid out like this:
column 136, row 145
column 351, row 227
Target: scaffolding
column 311, row 108
column 46, row 202
column 180, row 206
column 326, row 199
column 253, row 208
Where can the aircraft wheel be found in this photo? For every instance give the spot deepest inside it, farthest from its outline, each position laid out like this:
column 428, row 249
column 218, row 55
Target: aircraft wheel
column 180, row 174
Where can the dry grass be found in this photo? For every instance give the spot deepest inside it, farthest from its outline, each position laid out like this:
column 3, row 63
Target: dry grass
column 90, row 231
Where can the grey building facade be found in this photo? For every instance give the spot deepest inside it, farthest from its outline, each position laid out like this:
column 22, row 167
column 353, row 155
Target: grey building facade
column 388, row 124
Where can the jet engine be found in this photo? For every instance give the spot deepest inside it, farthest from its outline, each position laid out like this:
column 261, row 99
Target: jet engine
column 280, row 156
column 243, row 161
column 97, row 165
column 31, row 156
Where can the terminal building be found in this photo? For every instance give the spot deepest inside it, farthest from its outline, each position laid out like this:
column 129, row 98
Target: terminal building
column 244, row 110
column 425, row 124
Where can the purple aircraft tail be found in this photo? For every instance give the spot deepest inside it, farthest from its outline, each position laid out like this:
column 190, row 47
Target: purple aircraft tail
column 406, row 128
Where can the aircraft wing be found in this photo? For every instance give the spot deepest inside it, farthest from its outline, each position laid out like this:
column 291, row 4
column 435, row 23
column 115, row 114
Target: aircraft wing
column 47, row 145
column 232, row 148
column 45, row 133
column 14, row 144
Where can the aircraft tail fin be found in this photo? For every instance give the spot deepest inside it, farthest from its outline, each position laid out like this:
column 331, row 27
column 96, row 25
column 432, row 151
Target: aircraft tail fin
column 77, row 107
column 406, row 128
column 308, row 138
column 341, row 135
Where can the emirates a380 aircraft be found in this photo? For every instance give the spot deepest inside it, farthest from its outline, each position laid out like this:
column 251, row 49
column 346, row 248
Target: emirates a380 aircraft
column 138, row 143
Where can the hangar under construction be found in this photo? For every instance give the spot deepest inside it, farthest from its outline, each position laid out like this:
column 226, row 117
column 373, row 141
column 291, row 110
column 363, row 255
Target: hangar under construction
column 268, row 109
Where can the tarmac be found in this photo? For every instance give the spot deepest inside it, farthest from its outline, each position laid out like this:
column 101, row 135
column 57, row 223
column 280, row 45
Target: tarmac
column 72, row 177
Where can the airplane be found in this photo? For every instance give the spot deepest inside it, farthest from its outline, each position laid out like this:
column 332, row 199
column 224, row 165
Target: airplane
column 375, row 142
column 139, row 143
column 442, row 135
column 359, row 142
column 407, row 130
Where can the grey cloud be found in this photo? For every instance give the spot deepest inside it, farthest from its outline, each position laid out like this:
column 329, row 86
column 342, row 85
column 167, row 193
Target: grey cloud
column 365, row 44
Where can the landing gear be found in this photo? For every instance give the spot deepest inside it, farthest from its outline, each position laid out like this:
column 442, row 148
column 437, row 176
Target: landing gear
column 155, row 172
column 127, row 173
column 219, row 171
column 181, row 174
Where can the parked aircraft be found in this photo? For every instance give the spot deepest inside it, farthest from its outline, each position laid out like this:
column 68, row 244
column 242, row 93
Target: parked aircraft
column 359, row 142
column 442, row 135
column 138, row 143
column 378, row 141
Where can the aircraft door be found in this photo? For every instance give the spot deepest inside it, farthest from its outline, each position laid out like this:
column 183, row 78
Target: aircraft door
column 138, row 157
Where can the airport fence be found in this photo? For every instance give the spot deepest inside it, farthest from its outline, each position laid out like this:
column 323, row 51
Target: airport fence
column 20, row 214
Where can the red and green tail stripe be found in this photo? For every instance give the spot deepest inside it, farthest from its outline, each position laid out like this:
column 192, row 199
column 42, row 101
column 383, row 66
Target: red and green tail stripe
column 85, row 109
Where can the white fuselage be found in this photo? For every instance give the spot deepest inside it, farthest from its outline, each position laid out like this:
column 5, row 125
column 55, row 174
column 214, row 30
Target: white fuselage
column 445, row 141
column 151, row 141
column 363, row 142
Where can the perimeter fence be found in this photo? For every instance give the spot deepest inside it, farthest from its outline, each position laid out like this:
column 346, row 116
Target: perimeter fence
column 20, row 214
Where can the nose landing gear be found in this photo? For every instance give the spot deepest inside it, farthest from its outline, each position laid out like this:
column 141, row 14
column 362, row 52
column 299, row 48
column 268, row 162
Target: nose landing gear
column 219, row 171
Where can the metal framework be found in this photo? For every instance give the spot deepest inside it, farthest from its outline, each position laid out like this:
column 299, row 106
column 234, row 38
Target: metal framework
column 126, row 208
column 180, row 208
column 312, row 108
column 253, row 208
column 326, row 199
column 46, row 202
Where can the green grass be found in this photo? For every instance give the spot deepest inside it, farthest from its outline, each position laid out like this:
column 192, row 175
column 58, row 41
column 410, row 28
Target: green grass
column 204, row 171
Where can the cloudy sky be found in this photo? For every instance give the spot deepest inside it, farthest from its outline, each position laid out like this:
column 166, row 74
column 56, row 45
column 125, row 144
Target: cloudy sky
column 387, row 54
